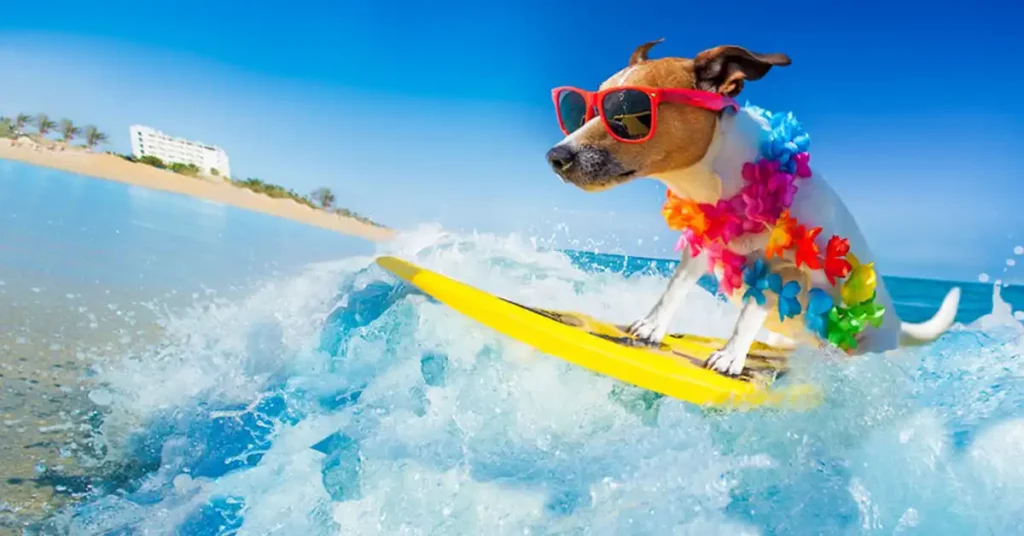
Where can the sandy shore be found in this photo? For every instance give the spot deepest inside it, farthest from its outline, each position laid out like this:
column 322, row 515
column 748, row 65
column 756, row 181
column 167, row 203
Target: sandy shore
column 109, row 167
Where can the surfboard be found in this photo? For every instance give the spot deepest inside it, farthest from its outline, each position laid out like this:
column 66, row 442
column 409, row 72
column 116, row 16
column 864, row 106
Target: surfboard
column 674, row 369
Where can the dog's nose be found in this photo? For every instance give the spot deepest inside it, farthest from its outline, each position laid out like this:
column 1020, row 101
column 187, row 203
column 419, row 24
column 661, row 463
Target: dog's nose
column 561, row 158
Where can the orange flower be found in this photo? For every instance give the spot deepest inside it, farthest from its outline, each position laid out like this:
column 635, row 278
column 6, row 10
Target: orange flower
column 682, row 214
column 807, row 251
column 781, row 238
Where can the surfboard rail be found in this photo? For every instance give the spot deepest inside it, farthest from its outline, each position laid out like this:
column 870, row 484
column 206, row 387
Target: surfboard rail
column 674, row 369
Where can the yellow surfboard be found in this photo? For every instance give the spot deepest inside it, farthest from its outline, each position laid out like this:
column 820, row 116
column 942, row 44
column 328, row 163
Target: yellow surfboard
column 675, row 369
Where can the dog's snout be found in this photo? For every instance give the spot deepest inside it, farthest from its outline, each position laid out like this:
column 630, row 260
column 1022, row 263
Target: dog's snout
column 561, row 157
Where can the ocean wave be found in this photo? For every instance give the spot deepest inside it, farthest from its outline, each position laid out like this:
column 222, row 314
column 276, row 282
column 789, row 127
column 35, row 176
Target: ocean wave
column 345, row 402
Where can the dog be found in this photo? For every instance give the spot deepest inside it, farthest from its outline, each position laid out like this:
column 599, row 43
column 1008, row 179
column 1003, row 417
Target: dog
column 698, row 142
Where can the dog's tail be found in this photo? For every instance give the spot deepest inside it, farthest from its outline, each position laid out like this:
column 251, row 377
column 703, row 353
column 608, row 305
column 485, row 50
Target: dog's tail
column 933, row 328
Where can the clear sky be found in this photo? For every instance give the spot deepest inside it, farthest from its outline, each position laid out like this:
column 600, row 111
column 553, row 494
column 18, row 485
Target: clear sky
column 440, row 111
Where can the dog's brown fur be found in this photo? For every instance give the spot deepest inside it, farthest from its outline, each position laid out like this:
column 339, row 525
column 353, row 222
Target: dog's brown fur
column 683, row 134
column 688, row 145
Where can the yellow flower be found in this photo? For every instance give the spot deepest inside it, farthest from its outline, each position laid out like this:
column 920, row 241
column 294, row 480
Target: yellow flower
column 860, row 284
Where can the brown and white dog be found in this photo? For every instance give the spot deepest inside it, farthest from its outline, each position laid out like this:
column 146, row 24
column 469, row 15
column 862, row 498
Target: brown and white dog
column 699, row 154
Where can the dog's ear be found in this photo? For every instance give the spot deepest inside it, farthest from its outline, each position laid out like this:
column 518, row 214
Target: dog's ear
column 724, row 68
column 640, row 54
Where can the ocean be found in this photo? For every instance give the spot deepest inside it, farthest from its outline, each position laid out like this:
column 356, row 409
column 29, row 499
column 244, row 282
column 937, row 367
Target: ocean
column 200, row 370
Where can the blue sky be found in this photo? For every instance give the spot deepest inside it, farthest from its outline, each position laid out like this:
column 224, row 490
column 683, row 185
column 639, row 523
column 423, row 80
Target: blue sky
column 440, row 111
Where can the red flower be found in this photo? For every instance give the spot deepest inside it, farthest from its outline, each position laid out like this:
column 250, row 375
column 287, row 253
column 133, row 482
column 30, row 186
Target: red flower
column 836, row 265
column 807, row 251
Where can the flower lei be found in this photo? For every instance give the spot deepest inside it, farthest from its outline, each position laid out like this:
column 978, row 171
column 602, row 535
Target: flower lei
column 762, row 205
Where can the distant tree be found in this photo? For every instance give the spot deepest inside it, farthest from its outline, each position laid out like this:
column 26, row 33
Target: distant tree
column 6, row 127
column 152, row 161
column 68, row 130
column 44, row 125
column 215, row 172
column 20, row 121
column 94, row 137
column 323, row 197
column 190, row 170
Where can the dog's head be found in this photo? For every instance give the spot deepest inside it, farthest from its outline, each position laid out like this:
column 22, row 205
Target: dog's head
column 593, row 160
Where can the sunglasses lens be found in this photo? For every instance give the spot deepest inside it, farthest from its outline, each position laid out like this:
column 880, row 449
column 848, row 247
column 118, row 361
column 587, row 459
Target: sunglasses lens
column 628, row 113
column 572, row 110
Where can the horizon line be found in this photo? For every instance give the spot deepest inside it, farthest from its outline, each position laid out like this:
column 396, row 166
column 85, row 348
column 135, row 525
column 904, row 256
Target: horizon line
column 994, row 281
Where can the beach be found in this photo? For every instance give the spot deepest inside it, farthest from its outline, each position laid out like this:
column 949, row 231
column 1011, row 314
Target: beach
column 92, row 275
column 113, row 168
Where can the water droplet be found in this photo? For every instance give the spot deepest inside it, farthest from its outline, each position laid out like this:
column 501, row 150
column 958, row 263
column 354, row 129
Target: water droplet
column 1019, row 250
column 983, row 278
column 100, row 397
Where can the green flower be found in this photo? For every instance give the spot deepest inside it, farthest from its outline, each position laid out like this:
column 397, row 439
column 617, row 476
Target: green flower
column 844, row 324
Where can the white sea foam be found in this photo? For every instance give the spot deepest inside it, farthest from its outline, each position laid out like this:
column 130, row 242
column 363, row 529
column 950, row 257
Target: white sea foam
column 458, row 430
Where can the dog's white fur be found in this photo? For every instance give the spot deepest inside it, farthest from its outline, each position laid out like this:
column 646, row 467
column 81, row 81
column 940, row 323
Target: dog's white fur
column 815, row 205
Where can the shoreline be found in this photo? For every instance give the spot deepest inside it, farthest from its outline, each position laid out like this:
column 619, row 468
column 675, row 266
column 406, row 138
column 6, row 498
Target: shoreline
column 109, row 167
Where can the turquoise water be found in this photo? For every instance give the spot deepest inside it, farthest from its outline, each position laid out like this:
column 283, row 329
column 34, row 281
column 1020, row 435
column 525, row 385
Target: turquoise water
column 330, row 399
column 65, row 231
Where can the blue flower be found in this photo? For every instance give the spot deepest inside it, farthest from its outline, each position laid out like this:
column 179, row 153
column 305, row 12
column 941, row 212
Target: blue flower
column 788, row 304
column 819, row 303
column 755, row 276
column 784, row 139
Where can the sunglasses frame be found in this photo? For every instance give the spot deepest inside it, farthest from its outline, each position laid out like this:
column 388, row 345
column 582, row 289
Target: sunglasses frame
column 707, row 100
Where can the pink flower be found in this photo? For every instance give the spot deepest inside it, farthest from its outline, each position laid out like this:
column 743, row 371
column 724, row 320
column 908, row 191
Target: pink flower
column 760, row 172
column 803, row 164
column 732, row 268
column 725, row 224
column 687, row 237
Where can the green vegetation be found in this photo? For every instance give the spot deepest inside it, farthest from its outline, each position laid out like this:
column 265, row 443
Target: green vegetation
column 355, row 216
column 321, row 198
column 20, row 122
column 272, row 190
column 68, row 130
column 189, row 170
column 149, row 160
column 94, row 137
column 44, row 125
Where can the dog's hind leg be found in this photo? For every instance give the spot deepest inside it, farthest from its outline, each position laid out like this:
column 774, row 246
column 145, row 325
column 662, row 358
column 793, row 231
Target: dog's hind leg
column 733, row 356
column 652, row 328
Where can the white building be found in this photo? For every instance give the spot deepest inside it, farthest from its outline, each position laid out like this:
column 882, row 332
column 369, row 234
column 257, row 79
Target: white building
column 147, row 141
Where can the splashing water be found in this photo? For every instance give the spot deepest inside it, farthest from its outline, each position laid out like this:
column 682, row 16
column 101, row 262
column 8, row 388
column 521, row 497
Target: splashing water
column 343, row 402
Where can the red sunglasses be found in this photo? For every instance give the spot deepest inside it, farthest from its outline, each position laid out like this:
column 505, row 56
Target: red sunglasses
column 629, row 113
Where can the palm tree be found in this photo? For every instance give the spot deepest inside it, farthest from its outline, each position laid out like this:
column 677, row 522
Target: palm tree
column 93, row 137
column 44, row 125
column 323, row 196
column 68, row 130
column 20, row 121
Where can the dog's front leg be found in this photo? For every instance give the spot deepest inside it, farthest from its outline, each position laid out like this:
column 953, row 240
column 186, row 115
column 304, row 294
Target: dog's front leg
column 733, row 356
column 652, row 328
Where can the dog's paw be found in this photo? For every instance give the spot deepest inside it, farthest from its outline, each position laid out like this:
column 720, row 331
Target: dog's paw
column 726, row 361
column 647, row 331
